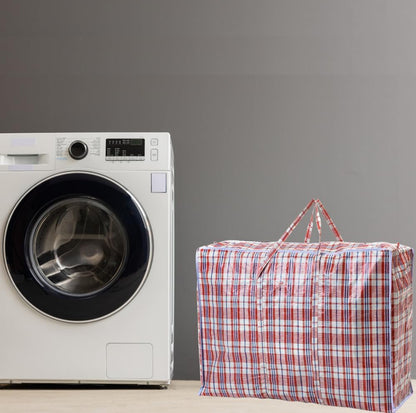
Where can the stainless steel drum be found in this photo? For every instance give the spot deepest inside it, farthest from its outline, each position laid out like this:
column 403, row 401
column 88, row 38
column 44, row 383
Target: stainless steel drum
column 78, row 246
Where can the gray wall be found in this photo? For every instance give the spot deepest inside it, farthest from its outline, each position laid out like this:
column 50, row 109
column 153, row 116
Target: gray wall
column 269, row 103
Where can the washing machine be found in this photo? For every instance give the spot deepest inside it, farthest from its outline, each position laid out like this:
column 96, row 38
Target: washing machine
column 86, row 275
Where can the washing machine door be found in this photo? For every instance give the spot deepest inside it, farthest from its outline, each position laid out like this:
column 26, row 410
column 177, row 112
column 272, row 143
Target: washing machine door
column 78, row 247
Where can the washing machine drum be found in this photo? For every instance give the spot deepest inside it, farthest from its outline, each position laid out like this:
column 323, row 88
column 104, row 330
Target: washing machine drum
column 78, row 247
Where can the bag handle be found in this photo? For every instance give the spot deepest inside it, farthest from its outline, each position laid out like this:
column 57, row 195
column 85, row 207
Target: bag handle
column 314, row 214
column 318, row 206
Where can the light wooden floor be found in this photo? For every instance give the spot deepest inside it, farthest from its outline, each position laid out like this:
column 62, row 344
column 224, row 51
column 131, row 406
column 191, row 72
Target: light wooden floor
column 181, row 396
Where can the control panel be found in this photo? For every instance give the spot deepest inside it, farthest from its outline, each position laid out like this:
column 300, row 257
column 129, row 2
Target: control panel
column 133, row 151
column 123, row 151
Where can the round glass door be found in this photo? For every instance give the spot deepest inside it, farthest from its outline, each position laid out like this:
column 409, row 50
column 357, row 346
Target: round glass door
column 78, row 247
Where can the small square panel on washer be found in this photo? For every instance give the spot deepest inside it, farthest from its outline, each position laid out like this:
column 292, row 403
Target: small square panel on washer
column 129, row 361
column 158, row 182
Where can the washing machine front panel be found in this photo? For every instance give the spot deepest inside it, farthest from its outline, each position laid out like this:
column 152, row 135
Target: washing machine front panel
column 78, row 246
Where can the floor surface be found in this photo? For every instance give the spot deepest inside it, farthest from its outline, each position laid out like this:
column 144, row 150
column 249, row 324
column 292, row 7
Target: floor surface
column 181, row 396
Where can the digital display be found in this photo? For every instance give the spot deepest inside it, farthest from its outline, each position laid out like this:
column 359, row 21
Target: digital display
column 124, row 148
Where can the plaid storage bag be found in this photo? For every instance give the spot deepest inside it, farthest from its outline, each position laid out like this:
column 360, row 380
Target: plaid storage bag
column 327, row 322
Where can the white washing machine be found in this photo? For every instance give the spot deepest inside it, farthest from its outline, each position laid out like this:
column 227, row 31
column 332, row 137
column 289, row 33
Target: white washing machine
column 86, row 275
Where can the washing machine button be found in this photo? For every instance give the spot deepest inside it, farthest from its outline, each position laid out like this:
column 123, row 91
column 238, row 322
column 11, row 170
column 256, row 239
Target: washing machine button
column 78, row 150
column 154, row 155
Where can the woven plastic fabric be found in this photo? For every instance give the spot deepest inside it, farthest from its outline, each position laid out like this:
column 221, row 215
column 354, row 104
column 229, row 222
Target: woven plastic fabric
column 327, row 322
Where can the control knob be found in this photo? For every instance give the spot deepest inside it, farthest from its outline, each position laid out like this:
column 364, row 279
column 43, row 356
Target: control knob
column 78, row 150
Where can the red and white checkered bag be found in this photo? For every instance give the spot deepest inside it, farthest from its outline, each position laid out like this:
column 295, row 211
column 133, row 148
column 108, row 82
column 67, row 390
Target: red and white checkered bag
column 327, row 322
